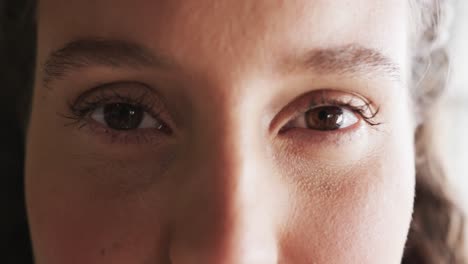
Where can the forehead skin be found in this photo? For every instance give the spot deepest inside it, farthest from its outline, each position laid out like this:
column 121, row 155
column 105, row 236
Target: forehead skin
column 357, row 207
column 228, row 32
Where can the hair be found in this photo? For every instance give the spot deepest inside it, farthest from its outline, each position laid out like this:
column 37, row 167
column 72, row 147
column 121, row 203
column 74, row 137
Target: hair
column 436, row 234
column 437, row 228
column 17, row 53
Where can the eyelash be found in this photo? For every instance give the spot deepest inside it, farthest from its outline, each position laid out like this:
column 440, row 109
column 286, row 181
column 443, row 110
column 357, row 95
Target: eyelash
column 102, row 98
column 81, row 109
column 365, row 111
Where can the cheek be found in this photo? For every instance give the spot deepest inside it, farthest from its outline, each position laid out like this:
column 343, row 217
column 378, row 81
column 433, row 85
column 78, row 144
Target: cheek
column 87, row 205
column 86, row 208
column 357, row 214
column 71, row 222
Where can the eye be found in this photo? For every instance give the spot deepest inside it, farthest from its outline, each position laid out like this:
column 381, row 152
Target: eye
column 124, row 116
column 325, row 118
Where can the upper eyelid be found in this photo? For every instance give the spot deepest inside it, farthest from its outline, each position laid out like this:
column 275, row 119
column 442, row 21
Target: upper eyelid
column 361, row 109
column 85, row 105
column 366, row 113
column 100, row 101
column 351, row 101
column 137, row 93
column 351, row 97
column 333, row 102
column 109, row 87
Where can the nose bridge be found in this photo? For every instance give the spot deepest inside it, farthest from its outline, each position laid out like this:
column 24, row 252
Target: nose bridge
column 248, row 233
column 230, row 212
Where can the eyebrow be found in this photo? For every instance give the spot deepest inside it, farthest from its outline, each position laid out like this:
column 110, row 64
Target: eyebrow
column 350, row 59
column 85, row 53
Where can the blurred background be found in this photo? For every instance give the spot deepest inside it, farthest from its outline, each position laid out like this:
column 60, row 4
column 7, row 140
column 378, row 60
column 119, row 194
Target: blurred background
column 454, row 118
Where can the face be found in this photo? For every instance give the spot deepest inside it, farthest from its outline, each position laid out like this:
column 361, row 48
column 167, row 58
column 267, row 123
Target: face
column 205, row 131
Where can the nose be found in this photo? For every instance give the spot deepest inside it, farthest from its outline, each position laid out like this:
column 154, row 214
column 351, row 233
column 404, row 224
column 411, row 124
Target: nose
column 227, row 211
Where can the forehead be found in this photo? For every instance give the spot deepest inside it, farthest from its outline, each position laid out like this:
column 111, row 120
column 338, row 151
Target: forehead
column 234, row 30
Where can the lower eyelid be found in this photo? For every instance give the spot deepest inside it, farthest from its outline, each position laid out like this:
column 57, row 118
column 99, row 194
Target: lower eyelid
column 305, row 136
column 107, row 136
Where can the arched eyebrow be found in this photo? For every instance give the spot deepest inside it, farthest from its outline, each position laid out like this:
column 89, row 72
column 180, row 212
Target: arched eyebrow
column 350, row 59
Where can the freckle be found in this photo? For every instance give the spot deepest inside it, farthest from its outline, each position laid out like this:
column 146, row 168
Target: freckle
column 103, row 252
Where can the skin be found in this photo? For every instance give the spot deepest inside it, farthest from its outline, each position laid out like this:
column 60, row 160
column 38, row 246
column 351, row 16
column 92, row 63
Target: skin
column 228, row 185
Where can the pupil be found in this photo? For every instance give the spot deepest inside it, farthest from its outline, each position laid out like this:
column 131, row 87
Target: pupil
column 123, row 116
column 325, row 118
column 324, row 115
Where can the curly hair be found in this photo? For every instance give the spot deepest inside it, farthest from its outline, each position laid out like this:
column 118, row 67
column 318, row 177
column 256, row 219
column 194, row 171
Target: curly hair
column 437, row 229
column 436, row 234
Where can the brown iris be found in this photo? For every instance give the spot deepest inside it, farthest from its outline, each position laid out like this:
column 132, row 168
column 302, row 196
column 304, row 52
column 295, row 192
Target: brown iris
column 324, row 118
column 120, row 116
